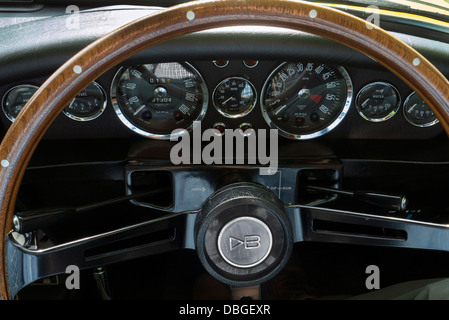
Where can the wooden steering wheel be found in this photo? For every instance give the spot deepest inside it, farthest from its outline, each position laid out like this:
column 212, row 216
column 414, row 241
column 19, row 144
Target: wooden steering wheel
column 28, row 128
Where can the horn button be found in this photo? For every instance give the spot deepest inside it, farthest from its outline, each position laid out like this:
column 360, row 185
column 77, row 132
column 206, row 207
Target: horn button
column 245, row 242
column 243, row 235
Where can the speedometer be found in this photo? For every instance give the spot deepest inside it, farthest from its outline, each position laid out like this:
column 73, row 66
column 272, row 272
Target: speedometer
column 306, row 100
column 155, row 99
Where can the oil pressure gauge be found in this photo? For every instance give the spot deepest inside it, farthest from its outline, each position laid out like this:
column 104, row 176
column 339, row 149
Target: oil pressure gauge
column 417, row 112
column 378, row 101
column 234, row 97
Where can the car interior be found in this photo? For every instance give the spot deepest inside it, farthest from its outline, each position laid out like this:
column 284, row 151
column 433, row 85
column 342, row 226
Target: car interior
column 222, row 149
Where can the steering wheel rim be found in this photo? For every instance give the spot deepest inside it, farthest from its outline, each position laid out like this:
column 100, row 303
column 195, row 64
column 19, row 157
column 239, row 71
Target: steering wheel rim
column 28, row 128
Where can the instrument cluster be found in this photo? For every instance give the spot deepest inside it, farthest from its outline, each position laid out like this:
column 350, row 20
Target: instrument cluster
column 301, row 99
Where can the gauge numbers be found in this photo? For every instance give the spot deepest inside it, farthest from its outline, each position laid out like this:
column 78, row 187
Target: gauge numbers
column 306, row 100
column 378, row 101
column 89, row 104
column 417, row 112
column 155, row 99
column 234, row 97
column 15, row 99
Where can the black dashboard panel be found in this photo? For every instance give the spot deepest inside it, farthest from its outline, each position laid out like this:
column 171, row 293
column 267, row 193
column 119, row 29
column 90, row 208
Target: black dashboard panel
column 45, row 49
column 353, row 126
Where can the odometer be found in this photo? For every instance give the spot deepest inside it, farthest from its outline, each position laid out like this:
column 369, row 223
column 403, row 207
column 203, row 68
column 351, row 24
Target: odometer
column 306, row 100
column 155, row 99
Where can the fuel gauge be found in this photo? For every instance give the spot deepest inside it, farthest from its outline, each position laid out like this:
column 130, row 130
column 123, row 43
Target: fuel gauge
column 417, row 112
column 88, row 104
column 378, row 101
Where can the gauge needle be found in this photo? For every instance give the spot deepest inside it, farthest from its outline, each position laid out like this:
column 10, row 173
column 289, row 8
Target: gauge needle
column 278, row 110
column 226, row 101
column 365, row 102
column 139, row 109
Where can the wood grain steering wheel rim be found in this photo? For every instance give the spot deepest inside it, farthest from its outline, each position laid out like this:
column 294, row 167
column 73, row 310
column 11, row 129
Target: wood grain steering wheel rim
column 27, row 130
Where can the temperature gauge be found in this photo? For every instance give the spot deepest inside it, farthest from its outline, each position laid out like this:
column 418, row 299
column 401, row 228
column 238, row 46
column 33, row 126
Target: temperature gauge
column 378, row 101
column 417, row 112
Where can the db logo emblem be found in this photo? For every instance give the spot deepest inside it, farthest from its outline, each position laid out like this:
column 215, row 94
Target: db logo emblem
column 249, row 242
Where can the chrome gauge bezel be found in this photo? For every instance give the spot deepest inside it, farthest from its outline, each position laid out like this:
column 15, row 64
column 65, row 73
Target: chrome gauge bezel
column 241, row 114
column 404, row 111
column 331, row 126
column 391, row 114
column 31, row 86
column 152, row 135
column 94, row 116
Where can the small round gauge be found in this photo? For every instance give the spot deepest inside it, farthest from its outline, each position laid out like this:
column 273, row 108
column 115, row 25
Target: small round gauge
column 234, row 97
column 417, row 112
column 378, row 101
column 89, row 104
column 306, row 100
column 16, row 98
column 155, row 99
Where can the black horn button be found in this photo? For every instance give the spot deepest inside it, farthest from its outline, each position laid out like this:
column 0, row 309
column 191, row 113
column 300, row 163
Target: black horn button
column 243, row 234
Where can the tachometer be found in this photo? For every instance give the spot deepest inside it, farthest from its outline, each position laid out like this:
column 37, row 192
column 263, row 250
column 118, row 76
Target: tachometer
column 155, row 99
column 306, row 100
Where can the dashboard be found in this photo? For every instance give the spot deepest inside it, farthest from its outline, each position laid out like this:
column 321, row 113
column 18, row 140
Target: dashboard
column 307, row 87
column 343, row 122
column 302, row 99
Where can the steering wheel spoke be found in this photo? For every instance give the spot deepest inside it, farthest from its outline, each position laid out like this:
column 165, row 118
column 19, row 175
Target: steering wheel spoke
column 338, row 226
column 26, row 264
